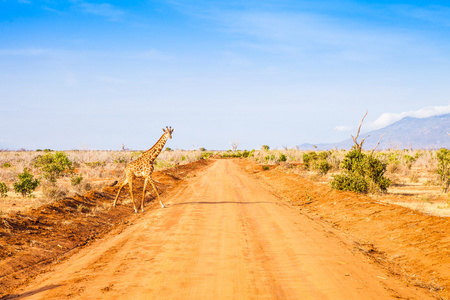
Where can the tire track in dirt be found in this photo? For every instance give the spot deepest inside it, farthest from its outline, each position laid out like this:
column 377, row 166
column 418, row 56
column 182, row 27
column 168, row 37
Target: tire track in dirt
column 223, row 236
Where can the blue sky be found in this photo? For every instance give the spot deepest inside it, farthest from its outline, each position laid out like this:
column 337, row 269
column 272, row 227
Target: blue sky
column 99, row 74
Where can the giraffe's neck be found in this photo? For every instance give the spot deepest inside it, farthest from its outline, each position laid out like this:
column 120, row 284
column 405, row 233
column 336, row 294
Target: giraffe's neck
column 154, row 151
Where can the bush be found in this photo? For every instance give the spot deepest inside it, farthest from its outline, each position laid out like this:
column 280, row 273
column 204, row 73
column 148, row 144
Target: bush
column 361, row 173
column 206, row 155
column 317, row 161
column 3, row 190
column 354, row 183
column 27, row 183
column 76, row 179
column 53, row 165
column 321, row 166
column 283, row 157
column 308, row 158
column 443, row 156
column 245, row 153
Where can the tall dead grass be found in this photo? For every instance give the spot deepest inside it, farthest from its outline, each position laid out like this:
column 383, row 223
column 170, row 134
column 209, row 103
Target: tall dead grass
column 95, row 168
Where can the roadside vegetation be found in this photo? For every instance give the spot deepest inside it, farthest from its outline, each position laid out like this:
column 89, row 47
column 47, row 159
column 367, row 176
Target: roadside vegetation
column 33, row 178
column 38, row 177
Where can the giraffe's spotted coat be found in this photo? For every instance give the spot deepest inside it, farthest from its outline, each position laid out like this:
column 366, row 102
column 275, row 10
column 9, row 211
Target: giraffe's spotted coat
column 143, row 167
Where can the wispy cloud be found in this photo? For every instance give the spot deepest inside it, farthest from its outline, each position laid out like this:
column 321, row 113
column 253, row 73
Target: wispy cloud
column 26, row 51
column 343, row 128
column 100, row 9
column 389, row 118
column 312, row 34
column 150, row 55
column 433, row 13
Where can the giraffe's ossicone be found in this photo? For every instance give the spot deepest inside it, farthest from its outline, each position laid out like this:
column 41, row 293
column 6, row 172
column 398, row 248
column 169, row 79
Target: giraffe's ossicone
column 143, row 167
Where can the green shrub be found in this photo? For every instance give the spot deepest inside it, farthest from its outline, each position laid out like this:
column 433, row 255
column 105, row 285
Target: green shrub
column 409, row 159
column 308, row 158
column 317, row 161
column 96, row 164
column 321, row 166
column 120, row 160
column 353, row 182
column 3, row 190
column 362, row 173
column 283, row 157
column 27, row 184
column 76, row 179
column 6, row 165
column 206, row 155
column 443, row 156
column 53, row 165
column 265, row 147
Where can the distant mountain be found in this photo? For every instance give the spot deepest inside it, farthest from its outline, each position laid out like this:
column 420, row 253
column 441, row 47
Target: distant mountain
column 415, row 133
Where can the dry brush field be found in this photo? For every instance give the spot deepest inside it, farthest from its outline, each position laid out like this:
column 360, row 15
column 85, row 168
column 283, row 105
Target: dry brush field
column 93, row 169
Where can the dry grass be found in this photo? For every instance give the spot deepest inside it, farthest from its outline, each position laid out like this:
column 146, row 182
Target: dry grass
column 415, row 183
column 413, row 173
column 433, row 209
column 96, row 168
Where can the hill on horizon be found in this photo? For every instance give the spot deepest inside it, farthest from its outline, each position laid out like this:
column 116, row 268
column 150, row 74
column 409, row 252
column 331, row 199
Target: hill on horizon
column 408, row 133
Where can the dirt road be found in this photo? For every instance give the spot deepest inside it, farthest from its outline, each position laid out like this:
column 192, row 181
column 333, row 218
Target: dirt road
column 223, row 236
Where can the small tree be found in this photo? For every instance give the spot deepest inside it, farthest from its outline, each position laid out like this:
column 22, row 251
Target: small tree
column 3, row 190
column 362, row 172
column 234, row 145
column 53, row 165
column 265, row 147
column 27, row 184
column 443, row 156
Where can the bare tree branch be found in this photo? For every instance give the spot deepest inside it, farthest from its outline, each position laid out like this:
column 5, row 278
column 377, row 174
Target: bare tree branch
column 378, row 143
column 234, row 145
column 359, row 145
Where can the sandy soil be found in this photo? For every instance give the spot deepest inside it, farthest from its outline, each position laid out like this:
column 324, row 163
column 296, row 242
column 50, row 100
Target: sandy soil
column 224, row 235
column 32, row 239
column 410, row 244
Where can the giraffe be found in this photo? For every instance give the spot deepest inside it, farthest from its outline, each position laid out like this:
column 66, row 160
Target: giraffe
column 143, row 167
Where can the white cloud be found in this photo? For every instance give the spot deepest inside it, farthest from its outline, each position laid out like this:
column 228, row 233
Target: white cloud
column 343, row 128
column 389, row 118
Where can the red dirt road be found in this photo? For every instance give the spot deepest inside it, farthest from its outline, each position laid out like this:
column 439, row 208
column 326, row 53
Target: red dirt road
column 223, row 236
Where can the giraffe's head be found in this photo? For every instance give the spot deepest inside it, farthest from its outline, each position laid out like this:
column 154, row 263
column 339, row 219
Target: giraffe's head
column 168, row 131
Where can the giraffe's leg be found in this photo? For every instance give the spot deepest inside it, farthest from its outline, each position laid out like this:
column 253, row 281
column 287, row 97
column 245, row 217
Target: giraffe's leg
column 143, row 194
column 130, row 183
column 120, row 188
column 156, row 191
